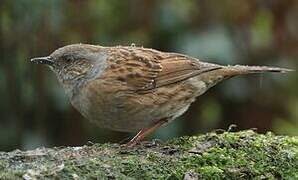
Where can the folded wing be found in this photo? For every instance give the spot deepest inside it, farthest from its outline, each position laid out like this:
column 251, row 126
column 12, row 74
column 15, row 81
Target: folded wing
column 146, row 69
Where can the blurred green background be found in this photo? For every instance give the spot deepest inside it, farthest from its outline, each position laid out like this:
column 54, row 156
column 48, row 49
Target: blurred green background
column 34, row 111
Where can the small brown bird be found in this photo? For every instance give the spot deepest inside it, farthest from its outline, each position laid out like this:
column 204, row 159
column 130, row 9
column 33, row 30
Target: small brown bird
column 128, row 88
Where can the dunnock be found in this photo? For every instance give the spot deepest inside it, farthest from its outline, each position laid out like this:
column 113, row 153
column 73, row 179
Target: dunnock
column 128, row 88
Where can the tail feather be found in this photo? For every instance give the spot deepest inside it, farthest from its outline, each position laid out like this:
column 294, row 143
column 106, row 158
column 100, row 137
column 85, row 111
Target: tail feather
column 242, row 69
column 225, row 72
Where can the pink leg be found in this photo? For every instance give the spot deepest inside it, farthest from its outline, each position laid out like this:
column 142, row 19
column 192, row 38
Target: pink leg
column 144, row 132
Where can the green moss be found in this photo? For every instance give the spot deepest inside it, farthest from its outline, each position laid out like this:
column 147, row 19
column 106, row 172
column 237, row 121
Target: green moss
column 239, row 155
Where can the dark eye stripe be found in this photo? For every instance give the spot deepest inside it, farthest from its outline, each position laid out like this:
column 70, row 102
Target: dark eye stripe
column 67, row 58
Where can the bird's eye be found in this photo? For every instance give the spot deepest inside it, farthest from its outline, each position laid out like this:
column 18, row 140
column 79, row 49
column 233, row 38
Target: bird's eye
column 67, row 58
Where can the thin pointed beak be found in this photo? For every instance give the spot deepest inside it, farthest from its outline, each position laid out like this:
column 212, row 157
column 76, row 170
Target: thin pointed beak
column 43, row 60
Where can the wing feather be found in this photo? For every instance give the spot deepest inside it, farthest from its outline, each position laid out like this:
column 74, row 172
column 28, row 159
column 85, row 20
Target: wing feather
column 144, row 69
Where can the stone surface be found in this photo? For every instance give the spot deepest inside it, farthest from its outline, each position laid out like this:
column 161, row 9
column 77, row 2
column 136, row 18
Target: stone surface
column 231, row 155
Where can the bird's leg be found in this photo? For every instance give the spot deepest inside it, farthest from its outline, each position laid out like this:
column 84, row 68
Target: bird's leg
column 144, row 132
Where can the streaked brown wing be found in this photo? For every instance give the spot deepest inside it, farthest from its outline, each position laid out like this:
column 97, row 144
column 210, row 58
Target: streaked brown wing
column 145, row 69
column 178, row 67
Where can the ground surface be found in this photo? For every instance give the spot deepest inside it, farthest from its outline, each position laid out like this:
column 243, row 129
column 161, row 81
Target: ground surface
column 239, row 155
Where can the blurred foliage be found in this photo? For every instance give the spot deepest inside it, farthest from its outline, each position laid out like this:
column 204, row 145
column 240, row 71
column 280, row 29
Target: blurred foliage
column 34, row 110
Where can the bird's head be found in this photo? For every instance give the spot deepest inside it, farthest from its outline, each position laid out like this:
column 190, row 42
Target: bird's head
column 73, row 63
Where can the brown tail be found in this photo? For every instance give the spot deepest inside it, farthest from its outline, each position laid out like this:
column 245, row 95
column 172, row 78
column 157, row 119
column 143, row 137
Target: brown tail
column 225, row 72
column 240, row 69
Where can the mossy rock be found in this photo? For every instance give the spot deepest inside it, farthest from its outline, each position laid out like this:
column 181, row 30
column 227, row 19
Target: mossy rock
column 239, row 155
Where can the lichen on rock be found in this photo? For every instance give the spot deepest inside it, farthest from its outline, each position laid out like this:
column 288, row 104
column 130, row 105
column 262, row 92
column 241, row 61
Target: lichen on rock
column 230, row 155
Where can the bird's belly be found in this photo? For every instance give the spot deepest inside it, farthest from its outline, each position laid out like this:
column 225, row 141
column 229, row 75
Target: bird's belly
column 129, row 112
